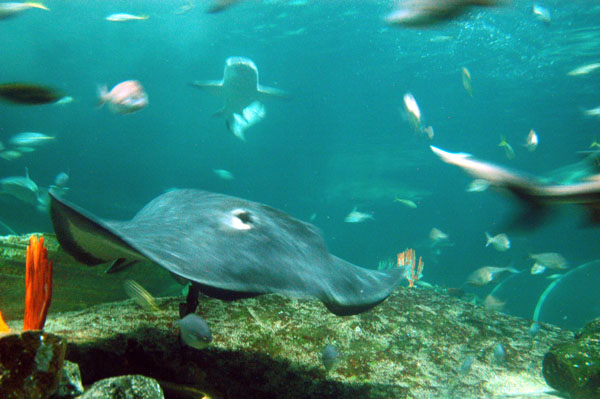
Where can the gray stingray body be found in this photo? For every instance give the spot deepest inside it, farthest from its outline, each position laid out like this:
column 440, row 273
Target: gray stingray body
column 230, row 247
column 239, row 89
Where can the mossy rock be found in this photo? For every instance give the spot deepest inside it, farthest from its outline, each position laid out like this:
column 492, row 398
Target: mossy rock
column 574, row 367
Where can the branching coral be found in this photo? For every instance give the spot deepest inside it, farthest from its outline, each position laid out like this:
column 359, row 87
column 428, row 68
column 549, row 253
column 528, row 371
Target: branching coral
column 408, row 258
column 38, row 285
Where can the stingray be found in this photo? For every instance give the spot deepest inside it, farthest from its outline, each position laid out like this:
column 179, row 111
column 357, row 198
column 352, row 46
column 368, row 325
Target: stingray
column 229, row 248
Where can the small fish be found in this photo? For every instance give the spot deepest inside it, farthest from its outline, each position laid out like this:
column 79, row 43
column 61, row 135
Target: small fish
column 428, row 131
column 406, row 202
column 413, row 111
column 184, row 9
column 486, row 274
column 532, row 141
column 223, row 174
column 584, row 69
column 550, row 260
column 500, row 242
column 194, row 331
column 478, row 185
column 10, row 155
column 21, row 187
column 541, row 13
column 220, row 5
column 24, row 150
column 31, row 139
column 28, row 93
column 493, row 303
column 423, row 13
column 139, row 294
column 466, row 81
column 357, row 217
column 126, row 97
column 499, row 353
column 537, row 268
column 592, row 111
column 534, row 329
column 124, row 17
column 61, row 179
column 465, row 366
column 436, row 236
column 330, row 357
column 8, row 10
column 508, row 150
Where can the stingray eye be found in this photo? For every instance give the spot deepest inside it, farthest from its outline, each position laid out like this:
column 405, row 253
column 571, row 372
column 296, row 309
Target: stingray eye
column 241, row 219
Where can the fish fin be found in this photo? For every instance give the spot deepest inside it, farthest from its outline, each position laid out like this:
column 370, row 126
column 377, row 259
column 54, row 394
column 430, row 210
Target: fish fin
column 238, row 126
column 214, row 87
column 268, row 92
column 102, row 91
column 27, row 173
column 118, row 265
column 489, row 239
column 87, row 239
column 37, row 5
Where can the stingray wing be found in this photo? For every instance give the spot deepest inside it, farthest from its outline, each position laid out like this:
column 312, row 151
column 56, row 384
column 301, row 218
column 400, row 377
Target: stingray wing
column 230, row 245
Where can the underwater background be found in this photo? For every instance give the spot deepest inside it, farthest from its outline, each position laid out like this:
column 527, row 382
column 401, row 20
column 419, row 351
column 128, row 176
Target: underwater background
column 341, row 141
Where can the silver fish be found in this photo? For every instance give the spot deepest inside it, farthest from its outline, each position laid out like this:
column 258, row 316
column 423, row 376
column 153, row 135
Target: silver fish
column 194, row 331
column 30, row 139
column 357, row 217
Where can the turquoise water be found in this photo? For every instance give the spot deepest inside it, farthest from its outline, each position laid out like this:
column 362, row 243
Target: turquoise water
column 342, row 139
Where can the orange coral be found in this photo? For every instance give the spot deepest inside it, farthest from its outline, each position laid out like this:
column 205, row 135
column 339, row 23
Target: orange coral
column 38, row 285
column 408, row 258
column 3, row 327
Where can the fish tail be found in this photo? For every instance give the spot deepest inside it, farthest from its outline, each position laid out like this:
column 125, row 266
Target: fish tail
column 144, row 16
column 489, row 239
column 102, row 95
column 37, row 5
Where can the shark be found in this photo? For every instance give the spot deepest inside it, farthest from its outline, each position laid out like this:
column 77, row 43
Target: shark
column 242, row 94
column 227, row 247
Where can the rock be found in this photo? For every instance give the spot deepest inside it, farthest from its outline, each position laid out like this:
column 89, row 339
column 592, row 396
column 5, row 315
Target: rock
column 411, row 346
column 30, row 365
column 125, row 387
column 70, row 381
column 574, row 367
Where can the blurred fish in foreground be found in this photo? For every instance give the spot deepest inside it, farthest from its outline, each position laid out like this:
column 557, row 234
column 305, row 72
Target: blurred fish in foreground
column 584, row 69
column 30, row 139
column 422, row 13
column 125, row 17
column 29, row 93
column 126, row 97
column 11, row 9
column 530, row 190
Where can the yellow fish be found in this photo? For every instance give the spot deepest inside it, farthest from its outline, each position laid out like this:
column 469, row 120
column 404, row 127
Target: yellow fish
column 508, row 150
